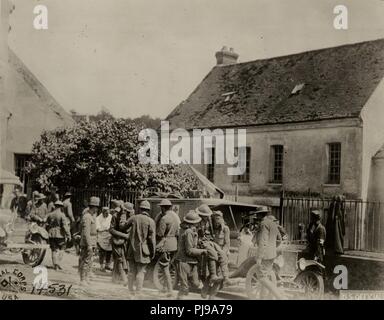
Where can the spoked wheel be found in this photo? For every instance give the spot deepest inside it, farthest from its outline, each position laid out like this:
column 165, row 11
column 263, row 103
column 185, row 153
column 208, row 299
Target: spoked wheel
column 255, row 290
column 312, row 283
column 34, row 257
column 159, row 279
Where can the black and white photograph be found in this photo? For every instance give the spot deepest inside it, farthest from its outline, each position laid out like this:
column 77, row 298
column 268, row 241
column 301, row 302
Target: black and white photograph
column 170, row 150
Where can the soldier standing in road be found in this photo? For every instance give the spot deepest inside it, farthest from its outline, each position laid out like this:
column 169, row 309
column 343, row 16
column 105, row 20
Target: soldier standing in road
column 167, row 230
column 141, row 245
column 267, row 237
column 188, row 254
column 119, row 243
column 316, row 237
column 59, row 234
column 88, row 239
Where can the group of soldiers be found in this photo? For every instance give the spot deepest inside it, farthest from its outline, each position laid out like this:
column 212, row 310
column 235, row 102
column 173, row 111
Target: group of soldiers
column 199, row 244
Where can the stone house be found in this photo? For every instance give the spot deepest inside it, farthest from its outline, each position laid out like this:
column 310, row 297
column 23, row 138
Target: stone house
column 314, row 120
column 26, row 106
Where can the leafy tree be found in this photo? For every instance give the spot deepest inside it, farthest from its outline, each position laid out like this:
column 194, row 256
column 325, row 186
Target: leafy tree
column 102, row 154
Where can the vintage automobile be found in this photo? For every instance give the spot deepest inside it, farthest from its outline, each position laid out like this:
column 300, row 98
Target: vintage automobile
column 16, row 234
column 298, row 276
column 233, row 213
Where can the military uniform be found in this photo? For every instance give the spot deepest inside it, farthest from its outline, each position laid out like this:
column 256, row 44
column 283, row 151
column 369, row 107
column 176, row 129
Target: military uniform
column 141, row 245
column 167, row 230
column 267, row 237
column 119, row 246
column 68, row 210
column 39, row 212
column 88, row 241
column 188, row 253
column 58, row 231
column 316, row 238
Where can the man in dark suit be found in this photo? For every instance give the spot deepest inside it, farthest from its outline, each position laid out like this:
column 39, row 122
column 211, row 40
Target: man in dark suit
column 316, row 234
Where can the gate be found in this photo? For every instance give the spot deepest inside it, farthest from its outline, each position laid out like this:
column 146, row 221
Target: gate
column 364, row 221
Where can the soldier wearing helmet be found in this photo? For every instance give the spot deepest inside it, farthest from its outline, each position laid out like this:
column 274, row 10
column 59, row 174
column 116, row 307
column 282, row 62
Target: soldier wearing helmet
column 167, row 230
column 141, row 246
column 120, row 214
column 59, row 233
column 39, row 210
column 188, row 253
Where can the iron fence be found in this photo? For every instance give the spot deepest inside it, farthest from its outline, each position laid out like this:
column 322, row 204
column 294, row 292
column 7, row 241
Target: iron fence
column 80, row 197
column 364, row 221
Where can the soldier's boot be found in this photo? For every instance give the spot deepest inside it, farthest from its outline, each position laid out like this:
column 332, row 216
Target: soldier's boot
column 225, row 273
column 83, row 282
column 204, row 291
column 212, row 271
column 54, row 259
column 139, row 282
column 88, row 278
column 123, row 274
column 131, row 281
column 59, row 258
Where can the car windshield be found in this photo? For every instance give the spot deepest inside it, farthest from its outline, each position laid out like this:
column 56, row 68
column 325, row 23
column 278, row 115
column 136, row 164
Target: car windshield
column 6, row 195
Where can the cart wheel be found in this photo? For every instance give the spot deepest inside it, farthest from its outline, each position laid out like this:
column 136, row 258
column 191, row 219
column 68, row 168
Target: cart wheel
column 312, row 283
column 255, row 290
column 159, row 276
column 34, row 257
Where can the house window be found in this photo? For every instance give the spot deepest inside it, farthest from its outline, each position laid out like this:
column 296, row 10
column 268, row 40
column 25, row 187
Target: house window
column 21, row 162
column 277, row 152
column 245, row 176
column 334, row 165
column 211, row 166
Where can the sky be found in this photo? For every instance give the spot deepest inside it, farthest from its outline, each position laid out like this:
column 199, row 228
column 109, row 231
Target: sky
column 137, row 57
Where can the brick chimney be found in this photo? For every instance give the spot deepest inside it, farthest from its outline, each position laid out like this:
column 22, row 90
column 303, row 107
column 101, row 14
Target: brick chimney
column 225, row 56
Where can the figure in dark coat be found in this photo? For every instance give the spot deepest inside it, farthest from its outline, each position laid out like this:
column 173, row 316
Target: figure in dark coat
column 316, row 237
column 141, row 246
column 335, row 225
column 59, row 233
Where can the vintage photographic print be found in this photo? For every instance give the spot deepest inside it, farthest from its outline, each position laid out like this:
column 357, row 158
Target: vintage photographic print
column 192, row 150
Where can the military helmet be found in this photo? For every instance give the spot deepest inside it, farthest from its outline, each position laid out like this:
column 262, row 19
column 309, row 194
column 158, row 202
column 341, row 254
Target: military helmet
column 115, row 202
column 94, row 202
column 217, row 213
column 41, row 196
column 128, row 207
column 165, row 202
column 192, row 217
column 316, row 214
column 59, row 203
column 204, row 211
column 145, row 205
column 262, row 211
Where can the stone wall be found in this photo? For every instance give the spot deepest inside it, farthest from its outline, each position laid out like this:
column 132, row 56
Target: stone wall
column 305, row 159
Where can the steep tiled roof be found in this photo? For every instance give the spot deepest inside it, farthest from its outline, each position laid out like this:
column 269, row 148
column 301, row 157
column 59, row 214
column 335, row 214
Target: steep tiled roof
column 337, row 83
column 46, row 99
